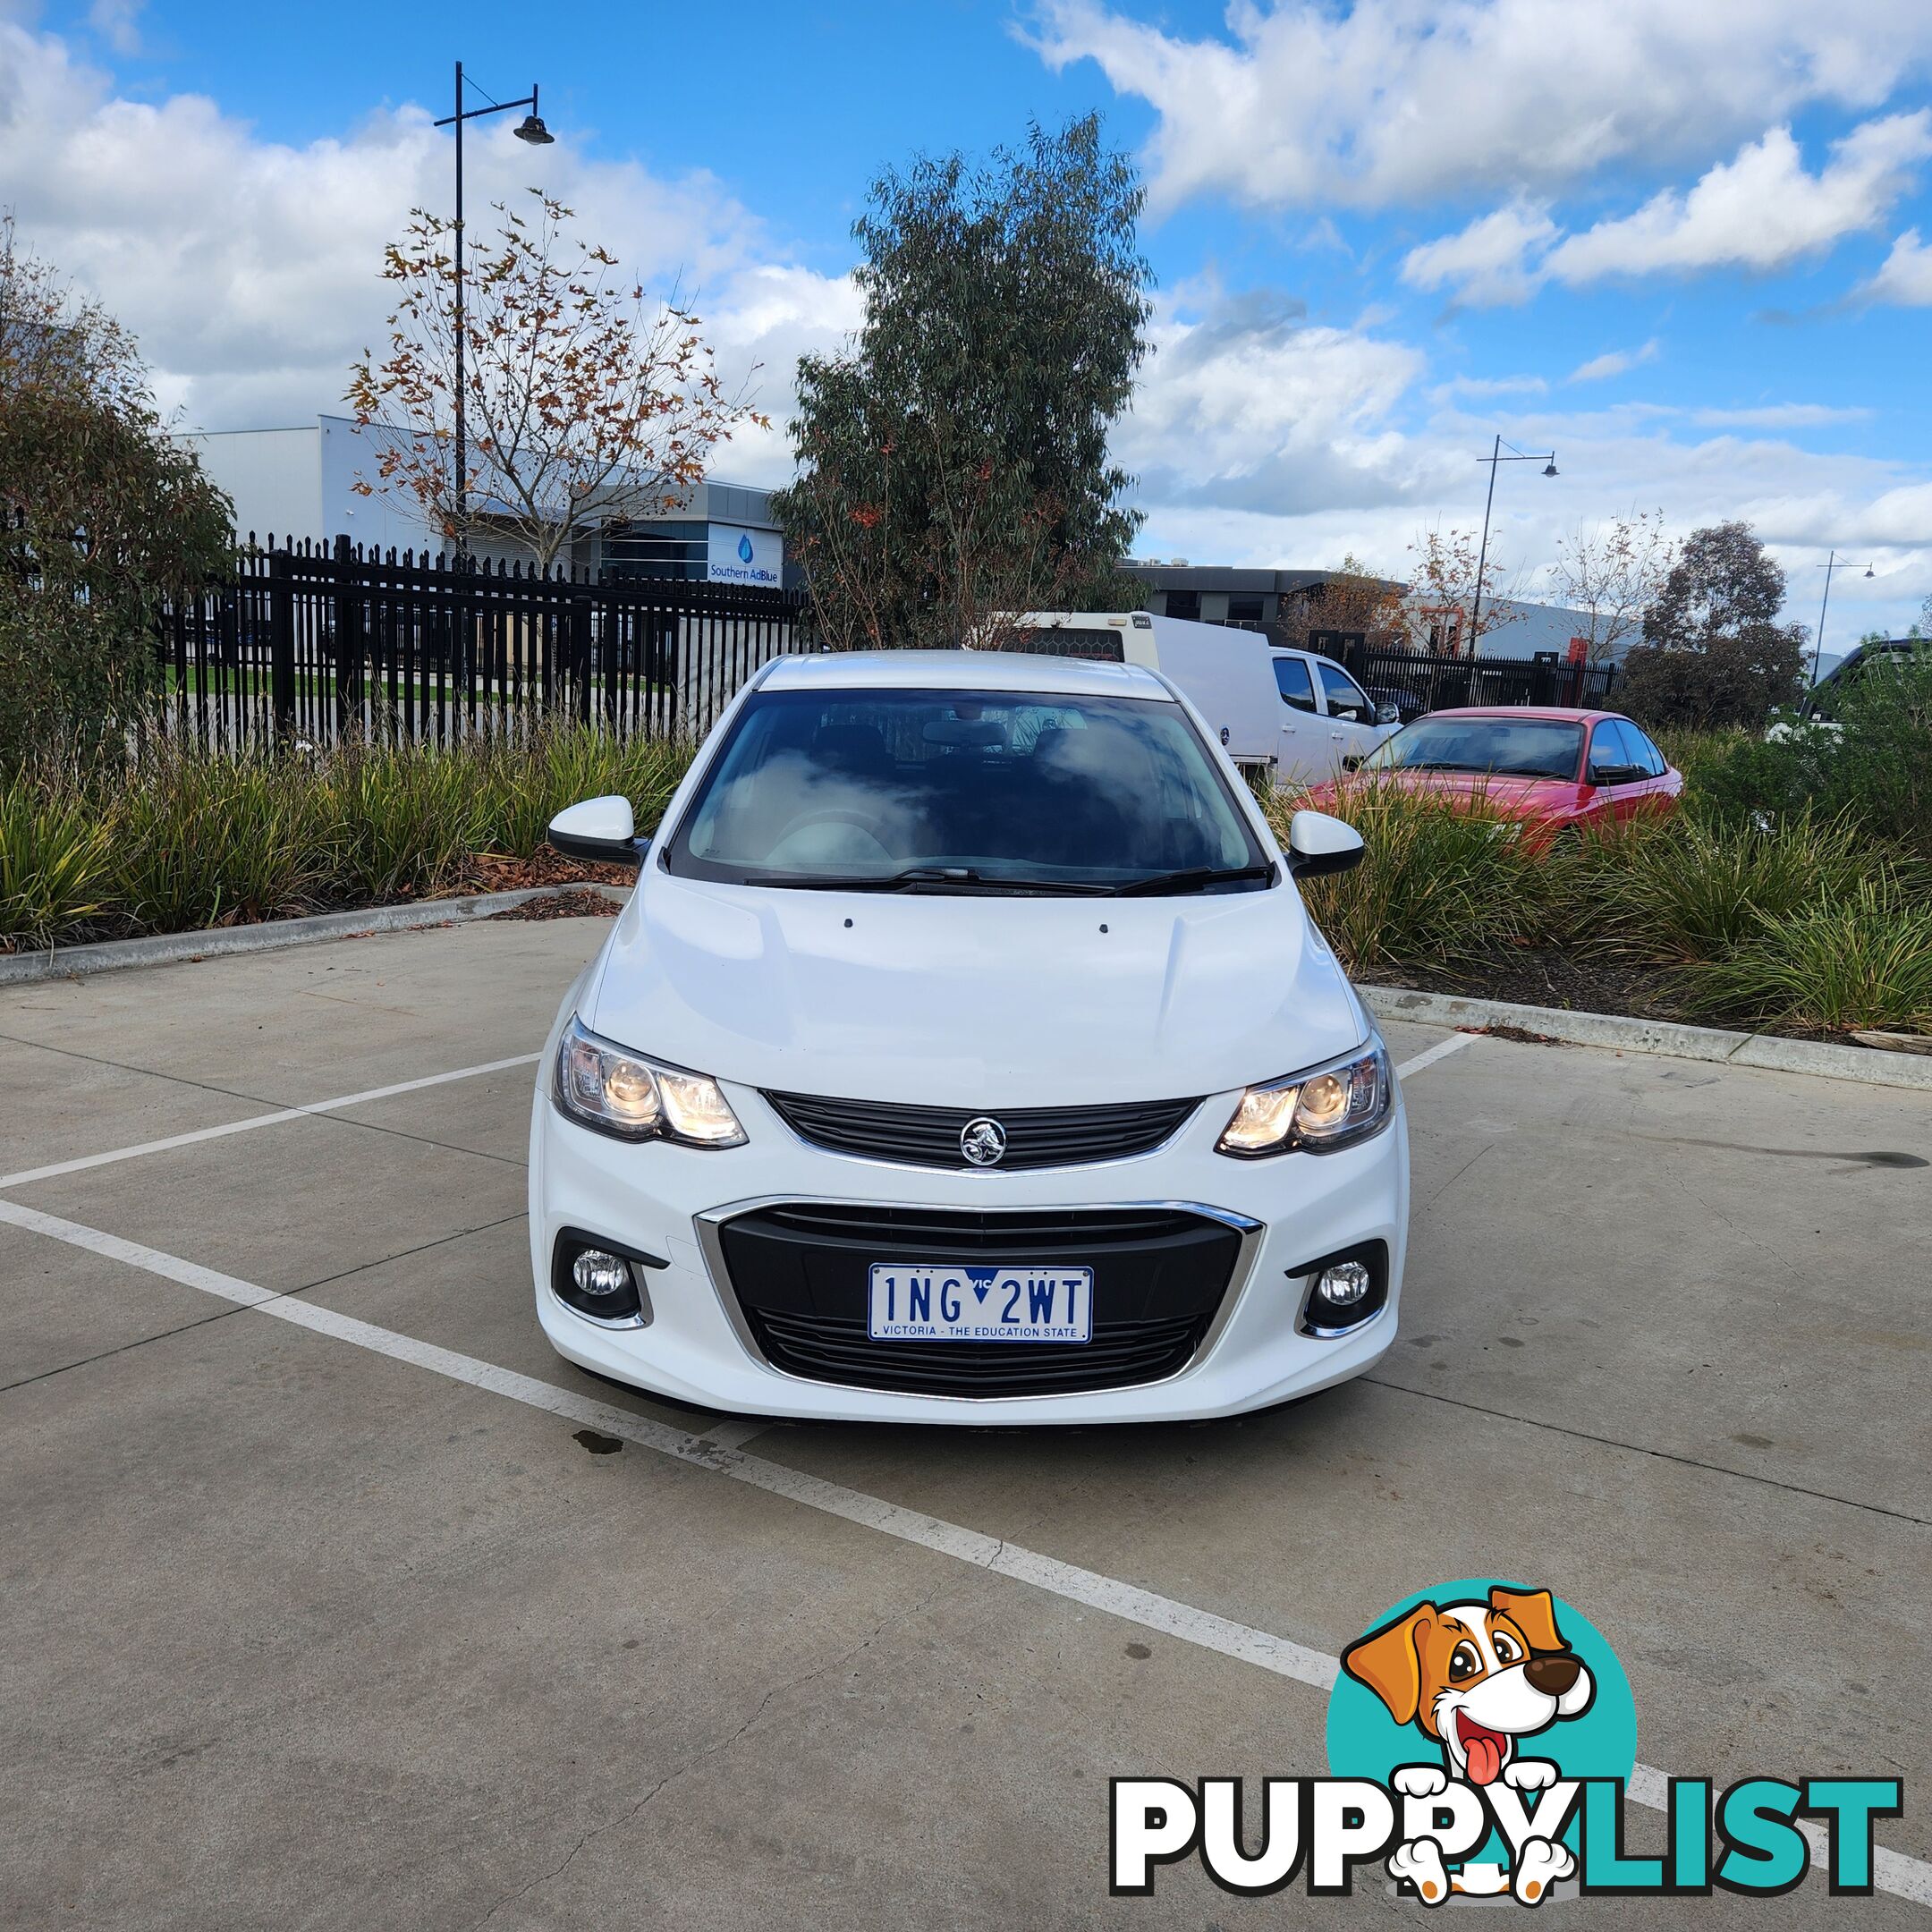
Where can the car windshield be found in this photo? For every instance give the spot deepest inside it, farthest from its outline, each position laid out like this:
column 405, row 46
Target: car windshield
column 965, row 790
column 1514, row 748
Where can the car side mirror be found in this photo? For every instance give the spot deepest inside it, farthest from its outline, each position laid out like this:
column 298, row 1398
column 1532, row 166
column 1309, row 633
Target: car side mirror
column 599, row 830
column 1319, row 843
column 1388, row 714
column 1352, row 761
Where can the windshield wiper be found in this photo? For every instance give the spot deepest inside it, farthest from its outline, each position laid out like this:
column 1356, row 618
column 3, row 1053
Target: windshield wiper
column 915, row 878
column 949, row 876
column 1192, row 878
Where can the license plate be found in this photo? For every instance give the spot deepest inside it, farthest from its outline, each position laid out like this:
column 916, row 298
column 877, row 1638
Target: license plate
column 942, row 1301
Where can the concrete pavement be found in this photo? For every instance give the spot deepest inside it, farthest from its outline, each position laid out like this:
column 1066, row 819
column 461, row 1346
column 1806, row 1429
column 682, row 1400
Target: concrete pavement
column 298, row 1633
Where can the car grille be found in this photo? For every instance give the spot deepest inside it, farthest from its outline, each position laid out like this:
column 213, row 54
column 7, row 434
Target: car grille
column 799, row 1272
column 930, row 1137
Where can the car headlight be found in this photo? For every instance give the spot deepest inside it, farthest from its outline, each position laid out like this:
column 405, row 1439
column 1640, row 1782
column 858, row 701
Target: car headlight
column 1328, row 1107
column 609, row 1088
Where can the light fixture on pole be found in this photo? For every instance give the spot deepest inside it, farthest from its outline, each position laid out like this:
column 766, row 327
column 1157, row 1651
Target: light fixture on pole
column 1495, row 456
column 532, row 129
column 1817, row 644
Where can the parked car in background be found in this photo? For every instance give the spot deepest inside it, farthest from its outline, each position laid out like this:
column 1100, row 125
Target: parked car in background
column 1290, row 712
column 1406, row 706
column 1878, row 657
column 1548, row 769
column 965, row 1055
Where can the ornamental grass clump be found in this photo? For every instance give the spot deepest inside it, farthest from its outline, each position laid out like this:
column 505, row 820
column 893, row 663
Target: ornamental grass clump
column 56, row 859
column 1680, row 889
column 1439, row 882
column 526, row 782
column 404, row 818
column 215, row 838
column 1864, row 961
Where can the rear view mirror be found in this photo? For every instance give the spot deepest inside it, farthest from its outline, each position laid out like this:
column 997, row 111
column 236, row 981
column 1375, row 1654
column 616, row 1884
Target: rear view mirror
column 1388, row 714
column 599, row 830
column 1352, row 761
column 1319, row 843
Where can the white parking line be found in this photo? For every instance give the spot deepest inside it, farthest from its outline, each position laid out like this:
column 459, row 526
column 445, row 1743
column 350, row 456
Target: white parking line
column 734, row 1432
column 85, row 1161
column 1893, row 1872
column 1441, row 1050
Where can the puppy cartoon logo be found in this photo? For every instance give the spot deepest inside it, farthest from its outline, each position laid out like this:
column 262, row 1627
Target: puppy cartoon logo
column 1476, row 1678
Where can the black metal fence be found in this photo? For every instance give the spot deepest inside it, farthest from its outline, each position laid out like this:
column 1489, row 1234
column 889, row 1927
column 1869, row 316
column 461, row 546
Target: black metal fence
column 1416, row 684
column 315, row 642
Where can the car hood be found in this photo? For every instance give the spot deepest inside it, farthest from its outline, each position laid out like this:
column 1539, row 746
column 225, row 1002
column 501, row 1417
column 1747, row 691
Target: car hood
column 973, row 1000
column 1496, row 791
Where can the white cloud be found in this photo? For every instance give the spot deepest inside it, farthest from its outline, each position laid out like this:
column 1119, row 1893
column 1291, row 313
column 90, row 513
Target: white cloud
column 249, row 268
column 1759, row 211
column 1488, row 262
column 1305, row 104
column 1430, row 470
column 1778, row 416
column 1487, row 385
column 1614, row 363
column 117, row 22
column 1260, row 437
column 1905, row 276
column 1251, row 404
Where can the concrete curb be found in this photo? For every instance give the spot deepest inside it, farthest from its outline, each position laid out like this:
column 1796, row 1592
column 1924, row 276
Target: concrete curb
column 164, row 949
column 1769, row 1051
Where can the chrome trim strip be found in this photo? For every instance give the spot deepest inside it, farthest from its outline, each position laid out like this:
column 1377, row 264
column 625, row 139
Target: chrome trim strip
column 641, row 1319
column 709, row 1226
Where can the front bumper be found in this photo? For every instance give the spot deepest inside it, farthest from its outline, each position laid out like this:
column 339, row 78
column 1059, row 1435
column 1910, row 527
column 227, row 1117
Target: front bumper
column 697, row 1347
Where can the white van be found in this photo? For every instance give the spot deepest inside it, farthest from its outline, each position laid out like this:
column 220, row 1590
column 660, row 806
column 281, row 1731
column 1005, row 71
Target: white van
column 1287, row 711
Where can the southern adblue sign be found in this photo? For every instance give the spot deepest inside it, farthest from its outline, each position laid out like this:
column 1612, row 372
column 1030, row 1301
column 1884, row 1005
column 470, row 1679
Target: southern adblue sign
column 735, row 555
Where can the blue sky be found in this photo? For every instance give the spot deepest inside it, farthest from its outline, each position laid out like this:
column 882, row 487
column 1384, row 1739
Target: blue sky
column 1677, row 240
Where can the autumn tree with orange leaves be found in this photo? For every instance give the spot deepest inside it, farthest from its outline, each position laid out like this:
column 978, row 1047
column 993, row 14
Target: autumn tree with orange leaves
column 587, row 402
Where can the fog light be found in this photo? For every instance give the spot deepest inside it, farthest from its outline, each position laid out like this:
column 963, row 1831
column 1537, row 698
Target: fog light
column 597, row 1272
column 1341, row 1286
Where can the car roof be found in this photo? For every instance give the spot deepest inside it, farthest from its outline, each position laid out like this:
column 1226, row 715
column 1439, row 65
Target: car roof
column 1561, row 713
column 958, row 670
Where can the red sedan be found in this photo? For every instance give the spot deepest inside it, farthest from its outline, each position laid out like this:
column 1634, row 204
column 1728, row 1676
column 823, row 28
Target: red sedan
column 1545, row 767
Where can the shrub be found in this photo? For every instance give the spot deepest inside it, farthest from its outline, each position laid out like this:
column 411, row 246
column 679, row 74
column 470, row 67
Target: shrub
column 1737, row 680
column 101, row 512
column 1873, row 763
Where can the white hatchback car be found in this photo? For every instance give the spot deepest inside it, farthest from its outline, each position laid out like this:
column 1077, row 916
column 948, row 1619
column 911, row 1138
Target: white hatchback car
column 965, row 1055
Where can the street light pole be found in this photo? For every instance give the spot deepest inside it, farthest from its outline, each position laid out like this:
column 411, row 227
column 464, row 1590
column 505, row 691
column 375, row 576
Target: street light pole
column 533, row 131
column 1495, row 457
column 1817, row 644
